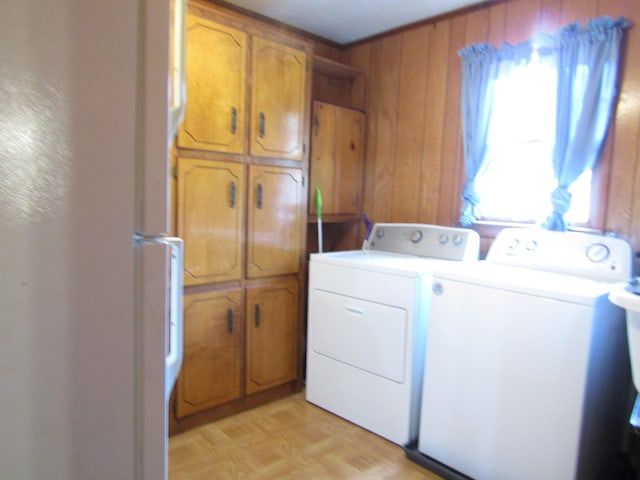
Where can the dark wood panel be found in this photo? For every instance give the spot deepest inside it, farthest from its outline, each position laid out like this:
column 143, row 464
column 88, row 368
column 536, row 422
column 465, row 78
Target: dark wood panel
column 451, row 161
column 550, row 15
column 477, row 27
column 436, row 93
column 522, row 20
column 578, row 11
column 410, row 114
column 624, row 206
column 360, row 57
column 497, row 14
column 373, row 87
column 387, row 184
column 385, row 138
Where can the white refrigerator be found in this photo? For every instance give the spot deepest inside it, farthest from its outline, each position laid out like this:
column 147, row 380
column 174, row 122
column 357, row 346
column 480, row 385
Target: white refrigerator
column 84, row 307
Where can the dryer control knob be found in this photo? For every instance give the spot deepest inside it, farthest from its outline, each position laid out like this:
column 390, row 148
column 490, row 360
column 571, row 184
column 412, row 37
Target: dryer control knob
column 597, row 252
column 457, row 239
column 415, row 236
column 443, row 239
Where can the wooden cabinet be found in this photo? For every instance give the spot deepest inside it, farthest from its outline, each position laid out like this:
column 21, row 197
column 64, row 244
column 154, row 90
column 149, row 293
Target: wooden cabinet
column 275, row 220
column 216, row 65
column 278, row 97
column 215, row 115
column 337, row 155
column 240, row 205
column 213, row 351
column 272, row 335
column 210, row 210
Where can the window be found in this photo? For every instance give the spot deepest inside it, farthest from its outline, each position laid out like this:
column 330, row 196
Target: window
column 535, row 118
column 517, row 183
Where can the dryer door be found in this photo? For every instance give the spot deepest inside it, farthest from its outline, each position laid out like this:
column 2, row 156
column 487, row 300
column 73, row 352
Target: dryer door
column 363, row 334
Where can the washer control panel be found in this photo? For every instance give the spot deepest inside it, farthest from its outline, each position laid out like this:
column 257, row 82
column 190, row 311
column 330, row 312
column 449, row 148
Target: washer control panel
column 590, row 255
column 433, row 241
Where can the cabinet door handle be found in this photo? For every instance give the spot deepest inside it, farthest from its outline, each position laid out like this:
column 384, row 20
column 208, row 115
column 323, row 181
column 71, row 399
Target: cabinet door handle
column 256, row 315
column 234, row 120
column 232, row 194
column 261, row 126
column 259, row 196
column 230, row 320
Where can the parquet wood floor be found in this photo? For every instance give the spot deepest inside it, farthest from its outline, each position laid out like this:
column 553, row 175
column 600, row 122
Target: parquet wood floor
column 287, row 439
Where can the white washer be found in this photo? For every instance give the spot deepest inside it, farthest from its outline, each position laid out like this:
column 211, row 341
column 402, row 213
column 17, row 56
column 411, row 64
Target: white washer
column 526, row 369
column 367, row 324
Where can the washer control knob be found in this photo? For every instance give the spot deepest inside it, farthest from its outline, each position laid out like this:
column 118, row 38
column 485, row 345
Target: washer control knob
column 443, row 239
column 513, row 243
column 380, row 232
column 532, row 245
column 597, row 252
column 456, row 239
column 415, row 236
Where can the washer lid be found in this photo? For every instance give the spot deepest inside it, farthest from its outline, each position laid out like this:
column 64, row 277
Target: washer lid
column 551, row 285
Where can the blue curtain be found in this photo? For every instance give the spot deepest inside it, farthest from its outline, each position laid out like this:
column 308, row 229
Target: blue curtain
column 480, row 68
column 587, row 64
column 587, row 61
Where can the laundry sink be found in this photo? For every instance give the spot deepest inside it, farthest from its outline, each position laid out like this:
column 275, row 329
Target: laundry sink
column 627, row 296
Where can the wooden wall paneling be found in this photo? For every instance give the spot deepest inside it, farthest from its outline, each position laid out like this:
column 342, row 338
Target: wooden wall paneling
column 327, row 51
column 497, row 15
column 359, row 57
column 550, row 16
column 451, row 159
column 434, row 122
column 623, row 207
column 373, row 97
column 522, row 21
column 410, row 116
column 477, row 27
column 388, row 76
column 438, row 191
column 578, row 11
column 476, row 30
column 603, row 169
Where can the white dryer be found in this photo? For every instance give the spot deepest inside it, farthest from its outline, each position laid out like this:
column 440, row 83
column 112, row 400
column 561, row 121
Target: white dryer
column 367, row 324
column 526, row 370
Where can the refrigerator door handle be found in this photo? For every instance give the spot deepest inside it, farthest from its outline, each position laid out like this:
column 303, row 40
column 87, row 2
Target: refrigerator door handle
column 173, row 360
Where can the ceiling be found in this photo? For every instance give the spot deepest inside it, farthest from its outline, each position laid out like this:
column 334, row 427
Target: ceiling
column 347, row 21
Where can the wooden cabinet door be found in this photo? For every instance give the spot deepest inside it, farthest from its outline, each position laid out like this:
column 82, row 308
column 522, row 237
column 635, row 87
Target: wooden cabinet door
column 337, row 158
column 272, row 335
column 278, row 100
column 322, row 165
column 210, row 213
column 275, row 221
column 349, row 157
column 216, row 64
column 213, row 353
